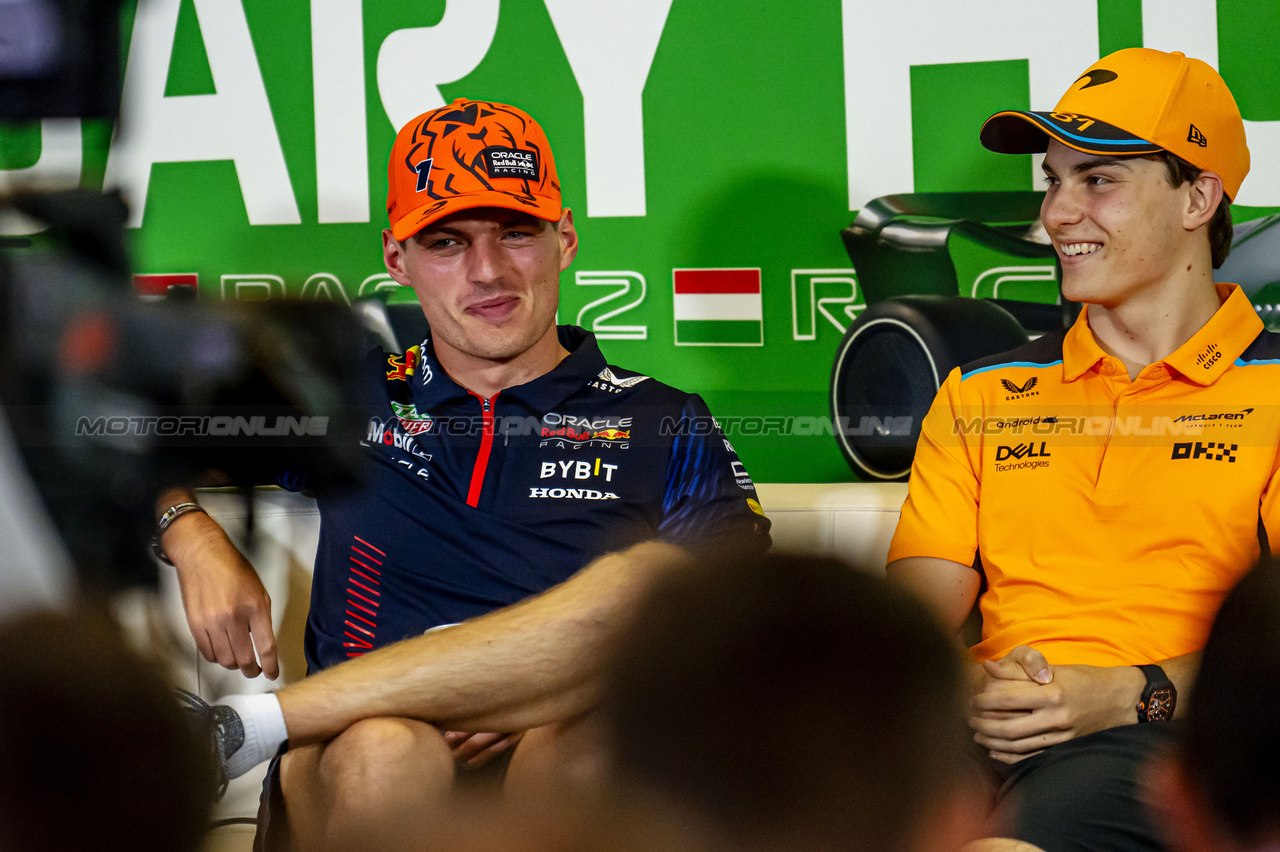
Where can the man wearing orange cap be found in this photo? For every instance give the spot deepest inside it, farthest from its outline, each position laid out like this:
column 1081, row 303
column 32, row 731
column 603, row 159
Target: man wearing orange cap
column 505, row 454
column 1117, row 477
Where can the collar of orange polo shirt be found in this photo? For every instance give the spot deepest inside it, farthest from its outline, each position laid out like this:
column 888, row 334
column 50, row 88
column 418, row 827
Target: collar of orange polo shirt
column 1202, row 359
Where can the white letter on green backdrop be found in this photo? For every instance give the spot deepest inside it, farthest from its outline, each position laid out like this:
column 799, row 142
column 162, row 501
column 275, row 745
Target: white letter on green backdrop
column 1193, row 29
column 58, row 167
column 342, row 145
column 234, row 124
column 412, row 62
column 610, row 46
column 882, row 42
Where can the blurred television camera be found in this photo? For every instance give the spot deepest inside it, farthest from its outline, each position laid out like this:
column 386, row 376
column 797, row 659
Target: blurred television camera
column 105, row 399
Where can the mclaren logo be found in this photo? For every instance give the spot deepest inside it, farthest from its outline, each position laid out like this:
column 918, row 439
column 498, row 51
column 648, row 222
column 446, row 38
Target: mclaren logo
column 1217, row 416
column 1097, row 77
column 1020, row 391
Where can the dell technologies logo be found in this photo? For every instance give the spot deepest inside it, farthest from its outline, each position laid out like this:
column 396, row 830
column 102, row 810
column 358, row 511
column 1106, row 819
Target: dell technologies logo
column 1021, row 451
column 1022, row 456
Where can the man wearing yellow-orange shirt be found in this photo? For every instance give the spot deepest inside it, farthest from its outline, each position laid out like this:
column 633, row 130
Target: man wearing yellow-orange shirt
column 1116, row 478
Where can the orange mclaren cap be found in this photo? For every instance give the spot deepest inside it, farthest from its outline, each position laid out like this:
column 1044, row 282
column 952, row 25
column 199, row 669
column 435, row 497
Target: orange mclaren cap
column 1137, row 101
column 469, row 154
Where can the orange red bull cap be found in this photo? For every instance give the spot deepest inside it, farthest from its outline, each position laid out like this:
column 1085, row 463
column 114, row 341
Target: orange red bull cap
column 1137, row 101
column 465, row 155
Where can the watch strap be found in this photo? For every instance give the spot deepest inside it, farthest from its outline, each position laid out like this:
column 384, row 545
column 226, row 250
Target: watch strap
column 1156, row 680
column 1154, row 674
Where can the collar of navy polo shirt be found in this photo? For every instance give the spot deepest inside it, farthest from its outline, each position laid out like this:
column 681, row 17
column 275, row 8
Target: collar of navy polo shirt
column 583, row 363
column 1230, row 331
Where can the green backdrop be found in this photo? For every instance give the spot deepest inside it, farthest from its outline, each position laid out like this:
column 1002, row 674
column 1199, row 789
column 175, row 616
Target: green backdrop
column 746, row 149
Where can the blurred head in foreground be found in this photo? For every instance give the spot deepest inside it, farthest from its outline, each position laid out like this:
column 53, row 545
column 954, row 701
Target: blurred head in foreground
column 1221, row 788
column 790, row 702
column 94, row 752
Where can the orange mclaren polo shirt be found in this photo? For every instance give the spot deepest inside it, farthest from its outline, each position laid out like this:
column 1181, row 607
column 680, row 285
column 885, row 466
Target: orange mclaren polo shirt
column 1111, row 515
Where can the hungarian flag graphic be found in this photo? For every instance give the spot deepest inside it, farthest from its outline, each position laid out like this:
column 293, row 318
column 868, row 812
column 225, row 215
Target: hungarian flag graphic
column 718, row 307
column 158, row 285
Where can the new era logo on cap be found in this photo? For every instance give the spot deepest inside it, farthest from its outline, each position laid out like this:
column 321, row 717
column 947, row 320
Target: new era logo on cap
column 1194, row 135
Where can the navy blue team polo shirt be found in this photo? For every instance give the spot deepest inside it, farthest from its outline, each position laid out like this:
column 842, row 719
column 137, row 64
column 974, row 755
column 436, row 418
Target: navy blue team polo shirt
column 471, row 504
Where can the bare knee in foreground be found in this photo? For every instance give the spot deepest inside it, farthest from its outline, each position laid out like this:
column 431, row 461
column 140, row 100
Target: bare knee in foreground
column 562, row 759
column 1000, row 844
column 379, row 784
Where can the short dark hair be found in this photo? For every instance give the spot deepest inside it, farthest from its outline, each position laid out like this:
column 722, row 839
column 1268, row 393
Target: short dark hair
column 1179, row 171
column 1230, row 740
column 792, row 702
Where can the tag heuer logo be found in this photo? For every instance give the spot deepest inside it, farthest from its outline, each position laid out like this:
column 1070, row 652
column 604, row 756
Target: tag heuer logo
column 1012, row 388
column 1194, row 135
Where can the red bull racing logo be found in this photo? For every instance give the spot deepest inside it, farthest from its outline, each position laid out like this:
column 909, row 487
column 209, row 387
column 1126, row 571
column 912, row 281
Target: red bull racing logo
column 578, row 431
column 402, row 367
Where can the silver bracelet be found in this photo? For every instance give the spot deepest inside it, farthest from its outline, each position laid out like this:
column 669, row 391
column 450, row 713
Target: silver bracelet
column 175, row 511
column 170, row 515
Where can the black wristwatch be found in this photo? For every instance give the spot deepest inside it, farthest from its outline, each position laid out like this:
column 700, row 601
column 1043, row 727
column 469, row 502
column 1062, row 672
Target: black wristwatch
column 1159, row 698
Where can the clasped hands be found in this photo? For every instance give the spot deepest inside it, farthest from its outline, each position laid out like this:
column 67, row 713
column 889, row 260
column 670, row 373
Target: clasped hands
column 1021, row 705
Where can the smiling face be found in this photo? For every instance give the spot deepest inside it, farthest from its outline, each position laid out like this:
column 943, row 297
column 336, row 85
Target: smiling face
column 488, row 280
column 1118, row 225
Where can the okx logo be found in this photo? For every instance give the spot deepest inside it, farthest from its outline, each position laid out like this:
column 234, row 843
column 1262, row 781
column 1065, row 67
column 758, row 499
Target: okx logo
column 1208, row 451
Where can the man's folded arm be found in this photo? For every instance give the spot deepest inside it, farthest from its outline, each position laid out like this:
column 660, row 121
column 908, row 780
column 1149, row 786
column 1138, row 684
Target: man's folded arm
column 540, row 661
